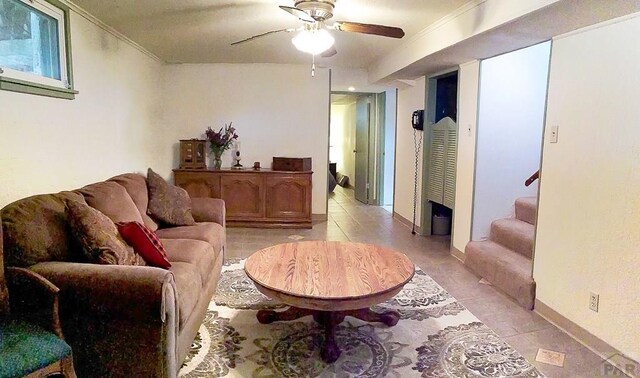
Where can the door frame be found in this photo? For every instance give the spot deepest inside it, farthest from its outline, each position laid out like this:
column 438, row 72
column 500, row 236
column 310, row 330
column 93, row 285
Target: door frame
column 379, row 141
column 377, row 118
column 426, row 212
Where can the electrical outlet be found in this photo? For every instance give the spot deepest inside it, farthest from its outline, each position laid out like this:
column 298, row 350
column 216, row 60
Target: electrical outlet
column 594, row 301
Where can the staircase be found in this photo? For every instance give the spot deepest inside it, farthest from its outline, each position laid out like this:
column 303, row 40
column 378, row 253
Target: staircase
column 505, row 259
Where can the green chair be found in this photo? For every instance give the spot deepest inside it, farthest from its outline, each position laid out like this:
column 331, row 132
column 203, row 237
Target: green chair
column 31, row 340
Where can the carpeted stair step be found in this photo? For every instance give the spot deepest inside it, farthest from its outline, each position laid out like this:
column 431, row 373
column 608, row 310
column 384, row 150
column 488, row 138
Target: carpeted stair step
column 507, row 270
column 526, row 208
column 513, row 234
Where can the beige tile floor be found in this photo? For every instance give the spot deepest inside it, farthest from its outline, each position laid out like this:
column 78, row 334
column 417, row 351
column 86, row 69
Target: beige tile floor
column 349, row 220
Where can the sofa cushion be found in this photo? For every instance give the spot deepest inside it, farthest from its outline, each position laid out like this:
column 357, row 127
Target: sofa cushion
column 98, row 237
column 136, row 186
column 145, row 243
column 189, row 287
column 196, row 252
column 169, row 204
column 112, row 200
column 35, row 230
column 209, row 232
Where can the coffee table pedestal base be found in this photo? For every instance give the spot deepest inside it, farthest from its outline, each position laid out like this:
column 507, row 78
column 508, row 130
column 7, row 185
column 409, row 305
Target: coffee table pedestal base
column 329, row 320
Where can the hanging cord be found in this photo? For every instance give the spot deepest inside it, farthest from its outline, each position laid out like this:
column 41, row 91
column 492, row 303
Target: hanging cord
column 417, row 142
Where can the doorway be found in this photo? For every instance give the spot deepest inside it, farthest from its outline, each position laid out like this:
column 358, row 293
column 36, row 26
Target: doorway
column 511, row 111
column 439, row 158
column 362, row 145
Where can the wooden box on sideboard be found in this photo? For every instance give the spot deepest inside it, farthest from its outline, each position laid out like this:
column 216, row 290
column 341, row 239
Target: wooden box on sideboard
column 192, row 154
column 291, row 164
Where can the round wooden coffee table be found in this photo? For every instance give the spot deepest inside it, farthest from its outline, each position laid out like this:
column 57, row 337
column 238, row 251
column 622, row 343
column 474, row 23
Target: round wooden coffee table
column 329, row 280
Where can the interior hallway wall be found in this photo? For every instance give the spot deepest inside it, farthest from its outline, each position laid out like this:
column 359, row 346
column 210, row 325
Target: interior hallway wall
column 468, row 85
column 389, row 145
column 511, row 108
column 278, row 110
column 410, row 99
column 588, row 234
column 112, row 127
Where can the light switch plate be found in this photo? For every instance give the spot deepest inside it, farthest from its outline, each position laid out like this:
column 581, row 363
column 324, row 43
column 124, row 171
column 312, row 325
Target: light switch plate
column 554, row 134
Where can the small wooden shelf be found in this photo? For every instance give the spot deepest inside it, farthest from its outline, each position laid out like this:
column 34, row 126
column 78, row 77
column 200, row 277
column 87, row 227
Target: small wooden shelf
column 254, row 198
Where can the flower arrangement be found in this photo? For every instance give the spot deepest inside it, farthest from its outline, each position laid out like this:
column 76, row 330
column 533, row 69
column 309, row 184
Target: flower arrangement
column 221, row 140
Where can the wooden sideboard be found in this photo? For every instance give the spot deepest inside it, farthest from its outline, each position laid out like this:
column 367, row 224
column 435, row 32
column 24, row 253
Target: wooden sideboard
column 254, row 198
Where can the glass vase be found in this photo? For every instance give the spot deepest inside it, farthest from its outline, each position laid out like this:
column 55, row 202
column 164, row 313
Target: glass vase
column 217, row 158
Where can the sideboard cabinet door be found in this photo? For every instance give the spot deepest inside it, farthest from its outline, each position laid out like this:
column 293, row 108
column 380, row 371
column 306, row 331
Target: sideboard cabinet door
column 199, row 185
column 243, row 195
column 288, row 196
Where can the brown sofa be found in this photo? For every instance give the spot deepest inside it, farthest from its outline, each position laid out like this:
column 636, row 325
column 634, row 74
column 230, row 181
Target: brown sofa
column 121, row 321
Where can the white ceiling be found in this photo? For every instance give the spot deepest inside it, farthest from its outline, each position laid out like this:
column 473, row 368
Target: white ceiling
column 201, row 31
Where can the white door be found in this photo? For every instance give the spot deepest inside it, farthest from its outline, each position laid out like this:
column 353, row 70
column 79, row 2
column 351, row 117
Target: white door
column 363, row 114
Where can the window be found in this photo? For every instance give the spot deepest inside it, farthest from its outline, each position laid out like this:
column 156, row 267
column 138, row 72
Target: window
column 34, row 49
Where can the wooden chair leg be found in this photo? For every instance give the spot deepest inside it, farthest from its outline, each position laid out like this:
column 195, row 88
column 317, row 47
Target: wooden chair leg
column 67, row 367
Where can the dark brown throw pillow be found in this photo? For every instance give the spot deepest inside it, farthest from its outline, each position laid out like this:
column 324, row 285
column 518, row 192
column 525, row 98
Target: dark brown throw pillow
column 168, row 204
column 99, row 237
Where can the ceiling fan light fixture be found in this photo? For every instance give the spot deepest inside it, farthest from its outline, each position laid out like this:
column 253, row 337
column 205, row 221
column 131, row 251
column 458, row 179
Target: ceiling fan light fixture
column 314, row 41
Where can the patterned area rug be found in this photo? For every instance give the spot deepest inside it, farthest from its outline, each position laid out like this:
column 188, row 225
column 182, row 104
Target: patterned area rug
column 436, row 337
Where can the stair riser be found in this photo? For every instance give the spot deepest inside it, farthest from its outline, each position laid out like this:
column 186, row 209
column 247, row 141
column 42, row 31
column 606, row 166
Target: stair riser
column 502, row 276
column 514, row 240
column 526, row 211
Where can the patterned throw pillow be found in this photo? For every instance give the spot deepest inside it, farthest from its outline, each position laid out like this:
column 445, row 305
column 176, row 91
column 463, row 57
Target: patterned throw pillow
column 98, row 237
column 145, row 243
column 168, row 203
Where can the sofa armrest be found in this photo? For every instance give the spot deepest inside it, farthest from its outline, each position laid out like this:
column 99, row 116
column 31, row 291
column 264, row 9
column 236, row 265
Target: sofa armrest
column 208, row 210
column 34, row 298
column 121, row 321
column 113, row 291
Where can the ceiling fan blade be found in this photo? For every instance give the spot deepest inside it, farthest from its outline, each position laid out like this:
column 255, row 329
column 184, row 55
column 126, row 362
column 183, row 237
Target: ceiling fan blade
column 354, row 27
column 302, row 15
column 329, row 53
column 289, row 30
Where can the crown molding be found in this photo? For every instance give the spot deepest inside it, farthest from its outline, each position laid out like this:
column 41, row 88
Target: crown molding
column 94, row 20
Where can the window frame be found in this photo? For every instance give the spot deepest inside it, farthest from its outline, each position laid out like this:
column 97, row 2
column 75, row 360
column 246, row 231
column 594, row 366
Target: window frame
column 26, row 82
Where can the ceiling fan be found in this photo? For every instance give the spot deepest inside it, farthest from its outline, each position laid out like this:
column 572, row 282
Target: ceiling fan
column 313, row 37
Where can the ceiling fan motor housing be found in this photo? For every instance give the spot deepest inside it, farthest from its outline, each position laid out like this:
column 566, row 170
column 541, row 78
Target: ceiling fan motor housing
column 319, row 9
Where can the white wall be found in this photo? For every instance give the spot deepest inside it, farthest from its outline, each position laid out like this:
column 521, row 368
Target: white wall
column 389, row 145
column 343, row 139
column 468, row 85
column 588, row 234
column 513, row 91
column 48, row 145
column 278, row 110
column 409, row 99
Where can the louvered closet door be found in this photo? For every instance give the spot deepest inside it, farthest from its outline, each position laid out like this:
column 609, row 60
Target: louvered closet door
column 437, row 164
column 441, row 186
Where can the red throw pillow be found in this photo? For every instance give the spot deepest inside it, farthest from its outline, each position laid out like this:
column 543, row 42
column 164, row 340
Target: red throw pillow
column 145, row 243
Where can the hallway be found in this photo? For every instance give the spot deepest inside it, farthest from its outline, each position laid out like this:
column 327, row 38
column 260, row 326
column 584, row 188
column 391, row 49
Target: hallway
column 350, row 220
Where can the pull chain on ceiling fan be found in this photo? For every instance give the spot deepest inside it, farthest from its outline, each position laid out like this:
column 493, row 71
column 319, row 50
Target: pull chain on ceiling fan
column 314, row 37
